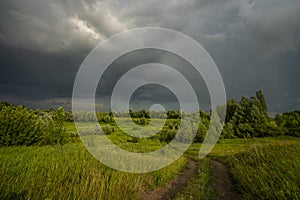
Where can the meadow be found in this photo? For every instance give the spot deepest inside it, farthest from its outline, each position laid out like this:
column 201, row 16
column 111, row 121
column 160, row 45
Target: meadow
column 263, row 168
column 70, row 172
column 268, row 171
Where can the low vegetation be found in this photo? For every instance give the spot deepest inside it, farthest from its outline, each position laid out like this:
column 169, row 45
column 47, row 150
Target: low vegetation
column 42, row 157
column 268, row 171
column 70, row 172
column 198, row 188
column 22, row 126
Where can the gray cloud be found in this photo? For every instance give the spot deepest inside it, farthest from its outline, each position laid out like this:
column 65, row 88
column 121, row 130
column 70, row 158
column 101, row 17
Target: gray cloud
column 254, row 43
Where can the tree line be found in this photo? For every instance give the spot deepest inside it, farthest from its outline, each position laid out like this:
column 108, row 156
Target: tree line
column 246, row 118
column 249, row 118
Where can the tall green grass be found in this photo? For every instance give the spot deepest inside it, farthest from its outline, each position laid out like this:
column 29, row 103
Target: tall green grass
column 70, row 172
column 263, row 168
column 268, row 171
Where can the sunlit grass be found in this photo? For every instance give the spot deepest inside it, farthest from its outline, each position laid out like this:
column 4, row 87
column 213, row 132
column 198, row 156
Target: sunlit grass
column 264, row 167
column 70, row 172
column 268, row 171
column 198, row 187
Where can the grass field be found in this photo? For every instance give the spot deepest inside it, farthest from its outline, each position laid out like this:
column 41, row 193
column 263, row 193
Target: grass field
column 70, row 172
column 263, row 168
column 266, row 168
column 268, row 171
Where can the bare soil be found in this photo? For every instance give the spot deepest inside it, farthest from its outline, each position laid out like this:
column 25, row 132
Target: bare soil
column 173, row 186
column 222, row 182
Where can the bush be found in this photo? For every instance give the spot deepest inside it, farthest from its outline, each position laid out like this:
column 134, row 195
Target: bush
column 107, row 119
column 107, row 129
column 55, row 132
column 167, row 136
column 21, row 126
column 142, row 121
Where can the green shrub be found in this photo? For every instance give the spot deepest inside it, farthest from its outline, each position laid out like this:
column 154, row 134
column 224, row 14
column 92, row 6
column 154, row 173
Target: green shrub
column 21, row 126
column 107, row 119
column 54, row 129
column 108, row 129
column 142, row 121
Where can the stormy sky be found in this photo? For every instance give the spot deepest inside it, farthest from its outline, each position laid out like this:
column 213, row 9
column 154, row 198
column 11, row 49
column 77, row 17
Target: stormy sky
column 255, row 45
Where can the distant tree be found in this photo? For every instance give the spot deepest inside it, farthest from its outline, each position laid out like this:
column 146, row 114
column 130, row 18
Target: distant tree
column 263, row 104
column 185, row 131
column 69, row 116
column 107, row 119
column 279, row 119
column 171, row 114
column 249, row 118
column 107, row 129
column 228, row 131
column 142, row 121
column 201, row 132
column 289, row 122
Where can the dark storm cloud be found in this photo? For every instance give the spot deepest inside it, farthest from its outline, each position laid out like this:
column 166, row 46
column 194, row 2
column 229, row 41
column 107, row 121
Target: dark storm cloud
column 154, row 93
column 255, row 44
column 37, row 75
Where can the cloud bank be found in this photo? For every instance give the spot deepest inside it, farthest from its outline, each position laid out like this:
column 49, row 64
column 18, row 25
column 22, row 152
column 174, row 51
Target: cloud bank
column 255, row 44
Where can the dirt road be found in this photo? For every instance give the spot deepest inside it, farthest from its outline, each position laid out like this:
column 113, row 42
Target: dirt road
column 222, row 182
column 173, row 186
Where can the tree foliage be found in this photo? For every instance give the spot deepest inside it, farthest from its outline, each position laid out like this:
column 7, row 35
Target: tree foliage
column 21, row 126
column 244, row 119
column 249, row 118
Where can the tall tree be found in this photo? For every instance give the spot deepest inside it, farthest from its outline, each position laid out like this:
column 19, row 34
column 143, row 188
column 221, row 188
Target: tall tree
column 261, row 98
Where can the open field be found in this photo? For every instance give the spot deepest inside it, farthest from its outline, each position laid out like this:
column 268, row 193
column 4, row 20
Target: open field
column 262, row 168
column 268, row 171
column 70, row 172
